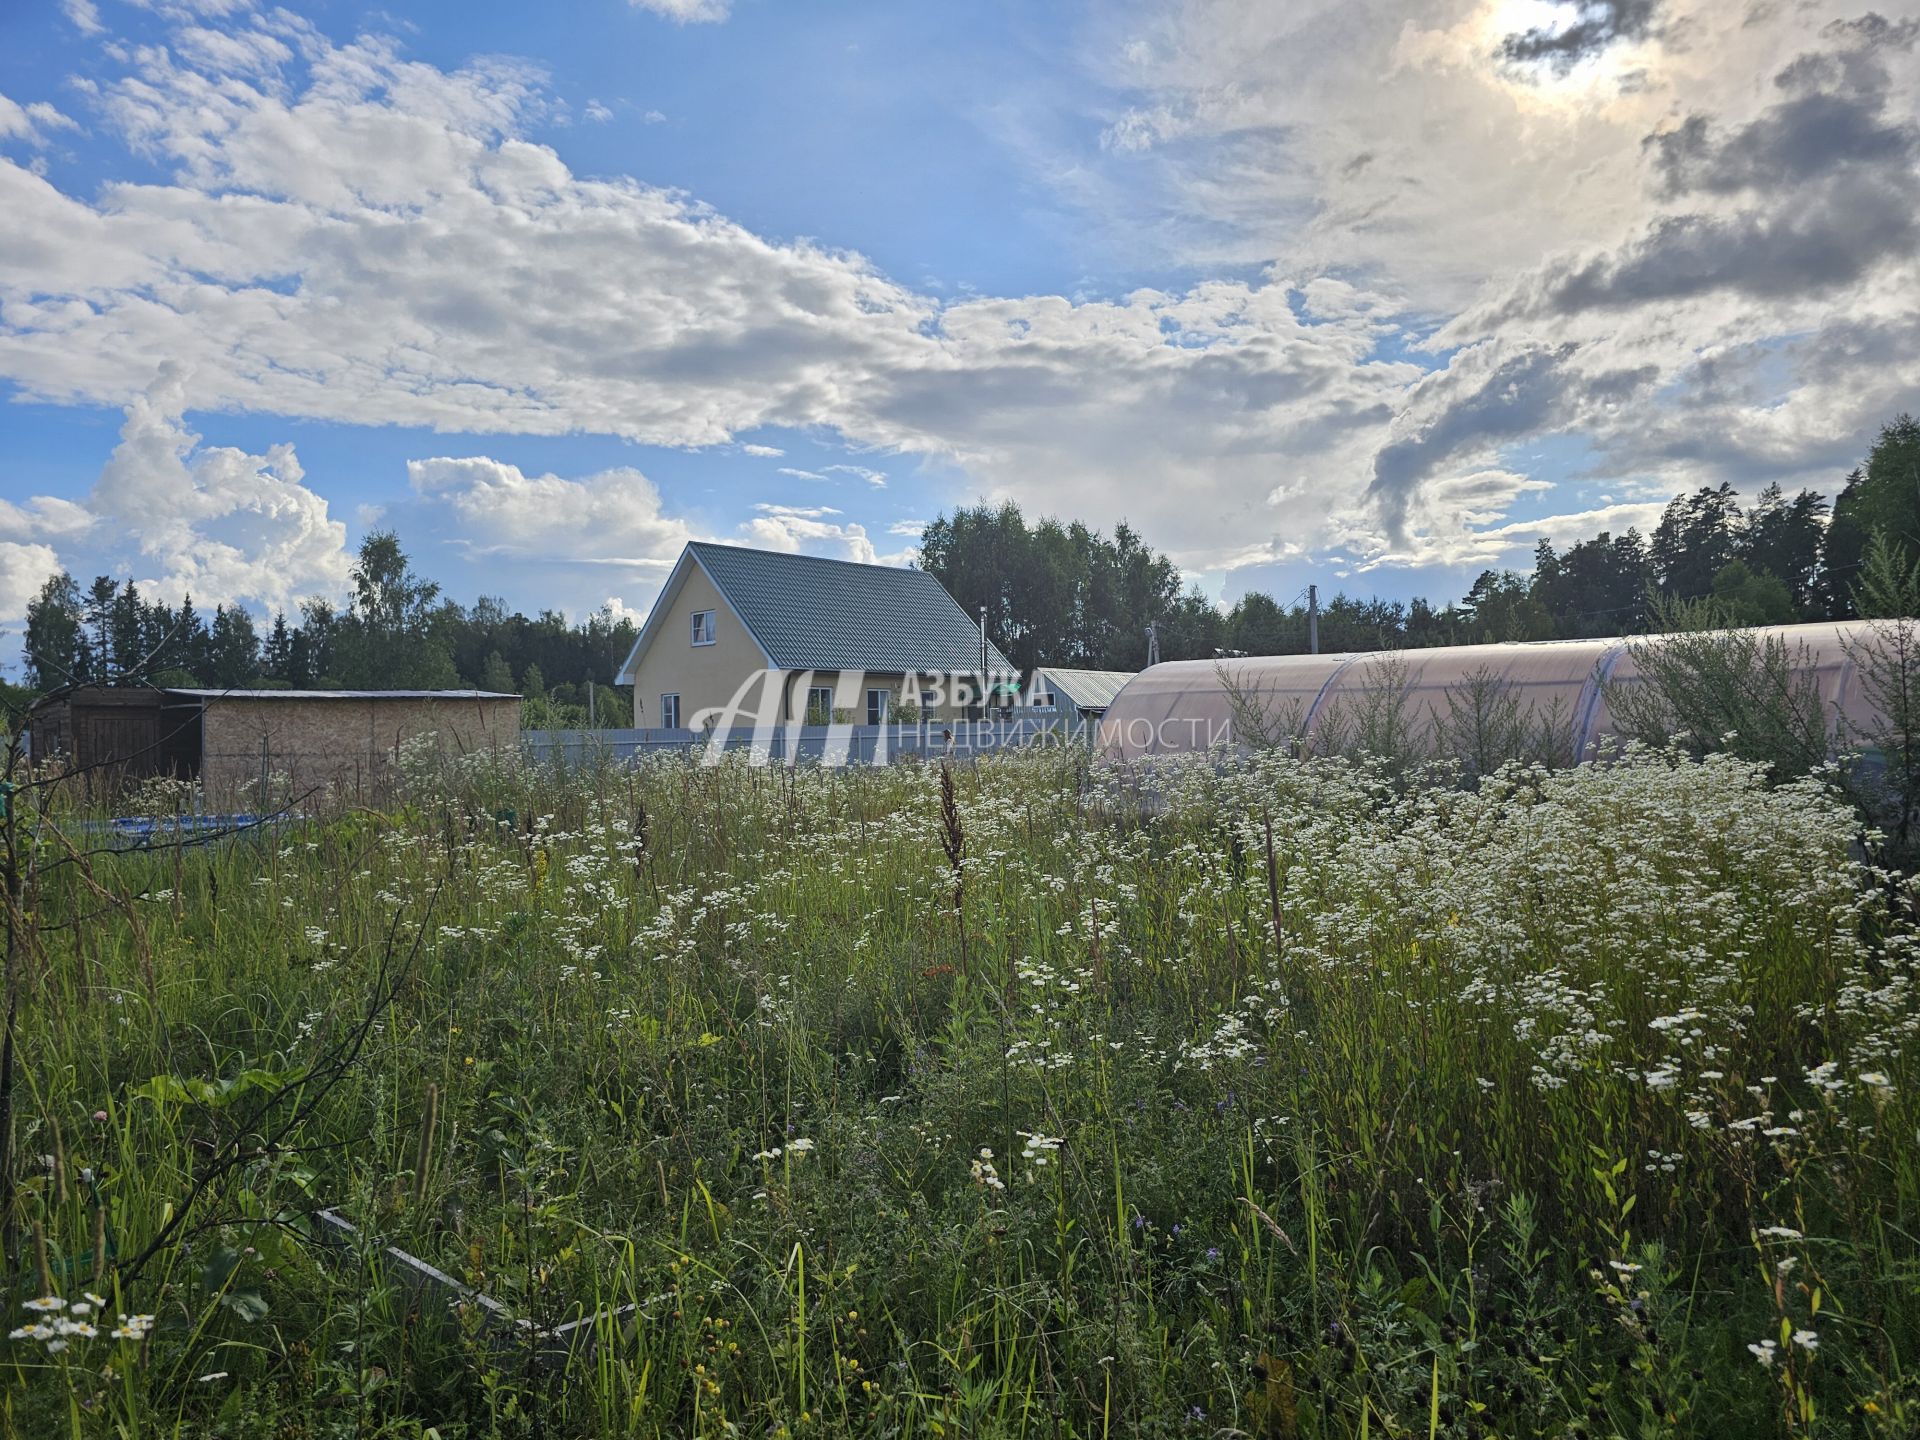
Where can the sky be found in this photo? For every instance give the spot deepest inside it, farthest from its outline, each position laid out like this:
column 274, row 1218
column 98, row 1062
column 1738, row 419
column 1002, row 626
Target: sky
column 1368, row 294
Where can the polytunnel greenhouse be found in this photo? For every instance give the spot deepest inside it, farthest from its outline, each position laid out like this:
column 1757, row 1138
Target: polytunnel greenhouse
column 1558, row 688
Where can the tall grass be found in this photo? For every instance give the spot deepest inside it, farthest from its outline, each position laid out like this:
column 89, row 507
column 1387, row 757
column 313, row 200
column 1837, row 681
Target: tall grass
column 1305, row 1101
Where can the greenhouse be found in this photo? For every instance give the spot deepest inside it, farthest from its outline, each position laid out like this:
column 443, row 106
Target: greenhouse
column 1557, row 688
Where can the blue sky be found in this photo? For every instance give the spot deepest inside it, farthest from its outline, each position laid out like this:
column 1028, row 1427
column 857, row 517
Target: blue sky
column 1315, row 292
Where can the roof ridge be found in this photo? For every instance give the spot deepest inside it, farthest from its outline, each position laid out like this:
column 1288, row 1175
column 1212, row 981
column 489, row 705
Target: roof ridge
column 802, row 555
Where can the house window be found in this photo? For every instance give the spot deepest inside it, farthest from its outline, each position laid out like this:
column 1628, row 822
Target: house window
column 703, row 627
column 670, row 712
column 819, row 706
column 929, row 701
column 877, row 706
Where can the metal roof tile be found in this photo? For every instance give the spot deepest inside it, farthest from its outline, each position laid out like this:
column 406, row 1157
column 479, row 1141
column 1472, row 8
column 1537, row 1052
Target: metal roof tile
column 812, row 613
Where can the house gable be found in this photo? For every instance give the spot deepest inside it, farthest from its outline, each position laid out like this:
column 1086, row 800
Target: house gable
column 656, row 619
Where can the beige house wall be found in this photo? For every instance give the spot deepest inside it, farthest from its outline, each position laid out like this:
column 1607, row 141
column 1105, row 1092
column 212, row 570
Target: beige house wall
column 348, row 746
column 703, row 676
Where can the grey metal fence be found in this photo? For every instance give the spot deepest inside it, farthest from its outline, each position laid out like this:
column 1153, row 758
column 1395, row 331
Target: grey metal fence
column 831, row 745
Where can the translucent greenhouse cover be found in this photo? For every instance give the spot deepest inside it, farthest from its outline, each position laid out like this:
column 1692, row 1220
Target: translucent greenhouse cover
column 1186, row 705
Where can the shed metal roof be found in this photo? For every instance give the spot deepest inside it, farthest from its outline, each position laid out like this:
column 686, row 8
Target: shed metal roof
column 810, row 613
column 1086, row 689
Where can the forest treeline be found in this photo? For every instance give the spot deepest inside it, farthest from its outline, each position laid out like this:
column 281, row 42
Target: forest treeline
column 1063, row 594
column 396, row 632
column 1055, row 592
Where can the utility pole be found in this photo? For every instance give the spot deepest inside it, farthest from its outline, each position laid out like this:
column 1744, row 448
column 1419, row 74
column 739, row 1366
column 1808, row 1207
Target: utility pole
column 1313, row 619
column 1153, row 642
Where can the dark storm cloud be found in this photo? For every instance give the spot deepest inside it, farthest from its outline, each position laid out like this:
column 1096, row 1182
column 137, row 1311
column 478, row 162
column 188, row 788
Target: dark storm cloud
column 1803, row 139
column 1596, row 25
column 1841, row 234
column 1831, row 182
column 1529, row 393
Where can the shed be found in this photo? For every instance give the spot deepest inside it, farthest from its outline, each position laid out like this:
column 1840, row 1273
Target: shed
column 1084, row 693
column 114, row 736
column 1187, row 705
column 345, row 740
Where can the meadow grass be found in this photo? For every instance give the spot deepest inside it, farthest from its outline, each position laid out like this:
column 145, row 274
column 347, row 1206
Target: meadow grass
column 1277, row 1097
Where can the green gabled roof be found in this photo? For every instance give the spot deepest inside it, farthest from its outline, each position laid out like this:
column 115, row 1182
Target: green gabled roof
column 810, row 613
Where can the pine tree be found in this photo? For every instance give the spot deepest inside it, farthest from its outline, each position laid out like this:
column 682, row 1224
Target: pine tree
column 188, row 649
column 233, row 651
column 276, row 656
column 98, row 610
column 495, row 674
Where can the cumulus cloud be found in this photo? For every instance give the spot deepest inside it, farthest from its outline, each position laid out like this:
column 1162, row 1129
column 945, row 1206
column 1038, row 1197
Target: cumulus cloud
column 371, row 240
column 182, row 517
column 1625, row 239
column 23, row 570
column 809, row 528
column 212, row 519
column 612, row 518
column 1449, row 242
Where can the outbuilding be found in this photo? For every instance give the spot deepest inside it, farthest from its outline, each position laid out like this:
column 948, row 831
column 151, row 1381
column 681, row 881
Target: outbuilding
column 1076, row 695
column 297, row 742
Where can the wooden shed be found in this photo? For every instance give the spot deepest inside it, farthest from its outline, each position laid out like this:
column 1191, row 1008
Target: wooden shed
column 298, row 742
column 112, row 737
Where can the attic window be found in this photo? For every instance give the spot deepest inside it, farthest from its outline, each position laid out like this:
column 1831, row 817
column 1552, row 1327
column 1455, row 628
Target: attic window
column 703, row 627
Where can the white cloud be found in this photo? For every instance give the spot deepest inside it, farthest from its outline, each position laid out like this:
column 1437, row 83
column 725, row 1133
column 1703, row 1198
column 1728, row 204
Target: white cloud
column 687, row 11
column 765, row 452
column 596, row 112
column 377, row 246
column 876, row 478
column 23, row 570
column 84, row 14
column 212, row 520
column 33, row 123
column 238, row 52
column 182, row 517
column 612, row 518
column 350, row 235
column 805, row 528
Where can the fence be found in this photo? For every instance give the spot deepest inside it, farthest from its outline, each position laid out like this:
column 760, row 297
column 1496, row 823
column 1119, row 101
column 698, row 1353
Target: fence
column 831, row 745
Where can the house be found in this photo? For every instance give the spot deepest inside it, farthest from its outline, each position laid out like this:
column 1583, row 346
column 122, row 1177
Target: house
column 741, row 636
column 1076, row 695
column 347, row 742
